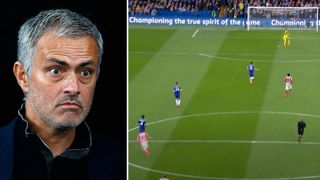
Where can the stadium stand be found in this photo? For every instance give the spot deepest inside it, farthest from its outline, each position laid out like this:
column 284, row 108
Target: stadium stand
column 207, row 8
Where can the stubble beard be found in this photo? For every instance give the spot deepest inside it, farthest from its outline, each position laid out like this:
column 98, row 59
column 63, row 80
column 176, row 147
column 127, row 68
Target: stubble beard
column 46, row 111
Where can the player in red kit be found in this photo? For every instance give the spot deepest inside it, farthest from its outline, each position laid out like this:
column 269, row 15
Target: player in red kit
column 288, row 82
column 142, row 138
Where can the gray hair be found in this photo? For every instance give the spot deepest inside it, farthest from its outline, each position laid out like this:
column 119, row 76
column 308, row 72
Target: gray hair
column 64, row 23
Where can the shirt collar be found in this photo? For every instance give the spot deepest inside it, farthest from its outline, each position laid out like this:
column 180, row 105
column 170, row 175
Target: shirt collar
column 82, row 142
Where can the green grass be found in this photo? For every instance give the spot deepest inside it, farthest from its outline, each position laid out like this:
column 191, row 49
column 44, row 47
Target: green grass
column 225, row 128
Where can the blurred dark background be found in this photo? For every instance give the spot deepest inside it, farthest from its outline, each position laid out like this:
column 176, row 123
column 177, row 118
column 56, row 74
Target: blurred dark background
column 108, row 112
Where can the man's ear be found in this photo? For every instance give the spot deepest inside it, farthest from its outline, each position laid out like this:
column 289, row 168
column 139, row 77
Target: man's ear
column 21, row 76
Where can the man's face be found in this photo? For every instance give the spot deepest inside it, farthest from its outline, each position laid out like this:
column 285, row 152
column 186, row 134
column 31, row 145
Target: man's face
column 63, row 79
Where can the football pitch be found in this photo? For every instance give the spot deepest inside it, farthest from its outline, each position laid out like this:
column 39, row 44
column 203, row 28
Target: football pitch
column 225, row 127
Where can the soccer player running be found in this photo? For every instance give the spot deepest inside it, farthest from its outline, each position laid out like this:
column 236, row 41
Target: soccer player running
column 143, row 138
column 142, row 122
column 288, row 80
column 251, row 68
column 301, row 125
column 286, row 39
column 177, row 92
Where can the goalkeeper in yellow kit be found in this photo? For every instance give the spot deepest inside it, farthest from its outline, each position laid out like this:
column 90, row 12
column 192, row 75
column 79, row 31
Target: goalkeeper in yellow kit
column 286, row 39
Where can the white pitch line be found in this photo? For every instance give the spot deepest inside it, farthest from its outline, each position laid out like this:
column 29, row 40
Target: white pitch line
column 226, row 141
column 229, row 113
column 194, row 34
column 280, row 61
column 225, row 57
column 174, row 174
column 217, row 178
column 206, row 55
column 226, row 54
column 230, row 141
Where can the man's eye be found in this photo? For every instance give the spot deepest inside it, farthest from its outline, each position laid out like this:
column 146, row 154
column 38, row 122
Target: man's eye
column 55, row 71
column 85, row 73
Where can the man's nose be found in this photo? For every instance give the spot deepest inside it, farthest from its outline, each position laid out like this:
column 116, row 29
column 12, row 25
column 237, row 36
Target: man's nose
column 72, row 85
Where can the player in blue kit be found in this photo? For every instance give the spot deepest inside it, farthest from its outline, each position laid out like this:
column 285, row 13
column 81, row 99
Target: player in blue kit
column 251, row 68
column 142, row 123
column 177, row 91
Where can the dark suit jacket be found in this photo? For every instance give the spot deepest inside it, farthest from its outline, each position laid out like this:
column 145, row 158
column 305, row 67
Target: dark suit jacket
column 106, row 160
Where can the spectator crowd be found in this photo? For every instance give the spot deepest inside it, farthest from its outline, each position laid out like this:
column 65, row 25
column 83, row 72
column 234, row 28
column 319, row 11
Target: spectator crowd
column 216, row 8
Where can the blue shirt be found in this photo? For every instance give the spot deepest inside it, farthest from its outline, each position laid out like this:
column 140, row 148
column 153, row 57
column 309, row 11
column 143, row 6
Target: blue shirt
column 142, row 124
column 251, row 70
column 176, row 90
